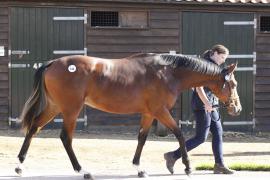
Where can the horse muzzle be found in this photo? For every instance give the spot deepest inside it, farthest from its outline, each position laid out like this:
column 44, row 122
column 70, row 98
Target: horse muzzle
column 235, row 110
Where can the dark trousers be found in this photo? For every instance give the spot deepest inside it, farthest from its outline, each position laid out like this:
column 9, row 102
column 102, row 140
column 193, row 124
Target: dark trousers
column 206, row 121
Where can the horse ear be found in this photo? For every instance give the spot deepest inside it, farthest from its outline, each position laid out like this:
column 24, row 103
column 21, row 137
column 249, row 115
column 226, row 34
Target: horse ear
column 232, row 68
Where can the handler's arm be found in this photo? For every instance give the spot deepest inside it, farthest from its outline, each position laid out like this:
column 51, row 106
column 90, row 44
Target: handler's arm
column 203, row 97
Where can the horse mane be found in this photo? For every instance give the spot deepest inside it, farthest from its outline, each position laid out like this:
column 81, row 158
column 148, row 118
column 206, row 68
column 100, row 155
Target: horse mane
column 191, row 63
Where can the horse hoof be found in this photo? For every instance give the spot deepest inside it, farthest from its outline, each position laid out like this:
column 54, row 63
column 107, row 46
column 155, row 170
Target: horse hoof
column 188, row 171
column 142, row 174
column 18, row 171
column 88, row 176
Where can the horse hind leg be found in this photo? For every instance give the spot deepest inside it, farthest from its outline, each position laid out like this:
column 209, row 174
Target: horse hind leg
column 146, row 122
column 40, row 121
column 69, row 125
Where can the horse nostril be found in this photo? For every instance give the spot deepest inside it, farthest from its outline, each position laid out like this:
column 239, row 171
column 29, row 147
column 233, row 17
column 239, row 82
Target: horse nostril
column 236, row 111
column 239, row 111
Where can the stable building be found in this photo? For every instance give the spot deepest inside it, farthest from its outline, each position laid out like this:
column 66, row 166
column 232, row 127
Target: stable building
column 32, row 32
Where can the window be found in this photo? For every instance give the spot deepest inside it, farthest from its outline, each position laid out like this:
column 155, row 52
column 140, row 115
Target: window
column 133, row 19
column 104, row 19
column 126, row 19
column 265, row 24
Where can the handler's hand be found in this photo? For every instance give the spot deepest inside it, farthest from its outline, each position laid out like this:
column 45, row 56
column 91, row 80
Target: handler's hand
column 208, row 107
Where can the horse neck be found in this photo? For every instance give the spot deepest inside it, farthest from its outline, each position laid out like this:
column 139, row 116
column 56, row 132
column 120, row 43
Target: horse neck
column 194, row 79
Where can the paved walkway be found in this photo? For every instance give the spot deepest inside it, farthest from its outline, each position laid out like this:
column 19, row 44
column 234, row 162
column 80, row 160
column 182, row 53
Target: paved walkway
column 109, row 157
column 198, row 175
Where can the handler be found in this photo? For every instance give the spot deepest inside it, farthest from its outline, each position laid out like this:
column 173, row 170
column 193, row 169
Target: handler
column 207, row 118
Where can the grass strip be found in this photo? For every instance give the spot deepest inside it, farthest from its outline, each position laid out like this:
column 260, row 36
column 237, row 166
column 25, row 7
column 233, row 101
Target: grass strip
column 238, row 167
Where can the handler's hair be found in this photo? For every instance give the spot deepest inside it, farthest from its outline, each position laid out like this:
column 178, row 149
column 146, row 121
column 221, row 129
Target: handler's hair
column 220, row 49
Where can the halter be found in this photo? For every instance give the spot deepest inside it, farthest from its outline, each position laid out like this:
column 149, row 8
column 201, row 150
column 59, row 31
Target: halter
column 232, row 96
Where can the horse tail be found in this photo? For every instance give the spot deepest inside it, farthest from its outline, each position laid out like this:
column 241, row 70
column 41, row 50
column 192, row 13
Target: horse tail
column 32, row 106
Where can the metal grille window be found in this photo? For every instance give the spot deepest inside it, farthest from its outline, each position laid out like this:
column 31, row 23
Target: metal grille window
column 265, row 24
column 104, row 19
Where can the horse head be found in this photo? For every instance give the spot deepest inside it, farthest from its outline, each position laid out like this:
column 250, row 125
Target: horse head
column 226, row 91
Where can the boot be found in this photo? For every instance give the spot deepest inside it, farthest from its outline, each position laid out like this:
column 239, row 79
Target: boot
column 170, row 161
column 221, row 169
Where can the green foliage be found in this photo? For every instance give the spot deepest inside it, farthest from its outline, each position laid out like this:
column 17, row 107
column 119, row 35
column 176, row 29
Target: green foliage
column 205, row 166
column 238, row 167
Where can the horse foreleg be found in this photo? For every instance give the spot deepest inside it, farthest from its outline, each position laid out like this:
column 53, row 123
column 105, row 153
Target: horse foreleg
column 165, row 118
column 66, row 138
column 146, row 123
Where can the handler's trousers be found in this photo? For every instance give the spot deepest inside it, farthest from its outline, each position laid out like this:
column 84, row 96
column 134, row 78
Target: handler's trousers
column 206, row 121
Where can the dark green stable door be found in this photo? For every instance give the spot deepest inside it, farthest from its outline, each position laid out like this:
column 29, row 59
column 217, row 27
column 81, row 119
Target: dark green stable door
column 236, row 31
column 39, row 35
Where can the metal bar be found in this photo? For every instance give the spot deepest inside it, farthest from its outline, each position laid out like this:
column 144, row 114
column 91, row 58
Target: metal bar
column 245, row 69
column 14, row 119
column 71, row 18
column 254, row 57
column 239, row 23
column 17, row 120
column 18, row 65
column 79, row 18
column 192, row 55
column 254, row 65
column 20, row 52
column 242, row 56
column 172, row 52
column 69, row 51
column 254, row 69
column 255, row 23
column 85, row 18
column 187, row 122
column 254, row 123
column 239, row 56
column 85, row 119
column 85, row 51
column 233, row 123
column 78, row 120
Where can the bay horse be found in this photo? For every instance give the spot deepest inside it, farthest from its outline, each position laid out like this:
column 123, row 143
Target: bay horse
column 145, row 83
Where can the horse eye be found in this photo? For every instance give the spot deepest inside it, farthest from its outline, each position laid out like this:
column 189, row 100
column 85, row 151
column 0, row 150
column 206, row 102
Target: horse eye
column 227, row 78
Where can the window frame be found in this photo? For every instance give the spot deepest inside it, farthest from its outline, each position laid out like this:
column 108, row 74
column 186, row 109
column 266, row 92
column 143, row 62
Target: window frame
column 259, row 24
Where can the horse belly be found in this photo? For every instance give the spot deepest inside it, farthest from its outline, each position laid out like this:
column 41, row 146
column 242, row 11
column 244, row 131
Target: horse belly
column 120, row 104
column 108, row 104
